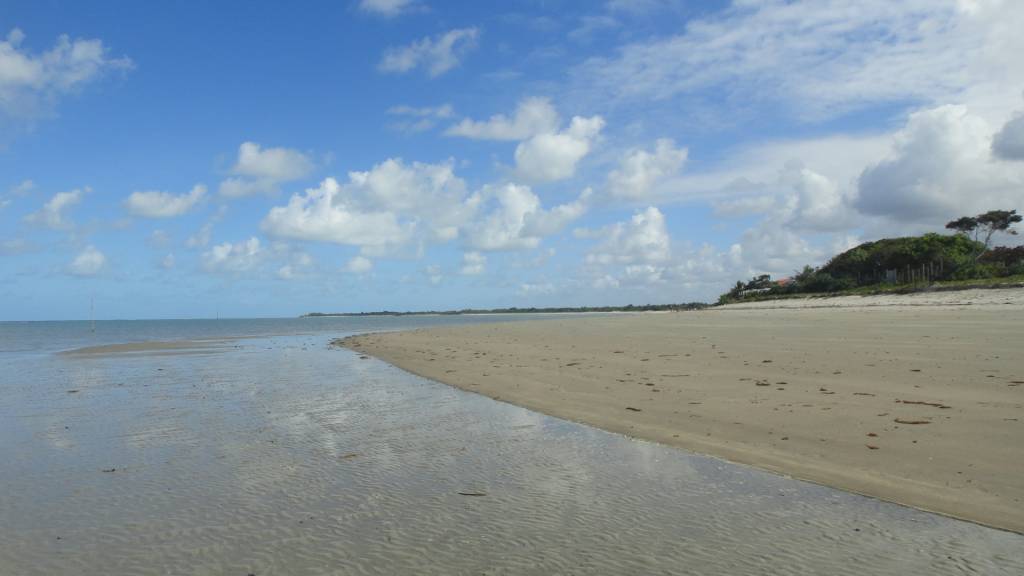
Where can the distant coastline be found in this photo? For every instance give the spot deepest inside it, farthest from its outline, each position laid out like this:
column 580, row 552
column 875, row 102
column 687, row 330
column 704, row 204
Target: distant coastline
column 514, row 310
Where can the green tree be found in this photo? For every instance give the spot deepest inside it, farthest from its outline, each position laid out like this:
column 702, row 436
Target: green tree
column 982, row 227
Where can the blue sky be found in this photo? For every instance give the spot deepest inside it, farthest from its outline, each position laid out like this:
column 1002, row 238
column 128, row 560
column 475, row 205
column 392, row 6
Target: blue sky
column 256, row 159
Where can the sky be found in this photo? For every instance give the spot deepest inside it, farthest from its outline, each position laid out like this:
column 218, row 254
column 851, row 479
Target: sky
column 252, row 159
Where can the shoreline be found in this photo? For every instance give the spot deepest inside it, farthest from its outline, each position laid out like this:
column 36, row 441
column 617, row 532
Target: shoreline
column 922, row 405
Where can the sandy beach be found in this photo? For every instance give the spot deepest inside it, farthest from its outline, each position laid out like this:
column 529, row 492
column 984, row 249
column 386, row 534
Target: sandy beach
column 913, row 399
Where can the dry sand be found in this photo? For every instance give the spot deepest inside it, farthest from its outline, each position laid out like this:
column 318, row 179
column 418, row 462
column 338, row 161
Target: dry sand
column 921, row 405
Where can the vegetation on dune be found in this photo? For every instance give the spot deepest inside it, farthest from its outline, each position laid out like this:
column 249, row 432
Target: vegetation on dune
column 894, row 264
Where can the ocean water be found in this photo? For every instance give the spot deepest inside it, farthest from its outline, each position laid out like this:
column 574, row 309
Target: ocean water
column 269, row 452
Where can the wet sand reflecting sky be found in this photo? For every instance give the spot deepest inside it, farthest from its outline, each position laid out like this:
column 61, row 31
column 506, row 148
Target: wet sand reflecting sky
column 284, row 456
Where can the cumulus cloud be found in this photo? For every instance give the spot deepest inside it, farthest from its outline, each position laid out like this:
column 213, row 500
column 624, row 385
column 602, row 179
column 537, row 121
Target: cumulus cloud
column 387, row 8
column 814, row 201
column 89, row 262
column 518, row 221
column 326, row 214
column 532, row 116
column 552, row 156
column 939, row 168
column 52, row 214
column 155, row 204
column 473, row 264
column 772, row 249
column 167, row 262
column 641, row 171
column 643, row 239
column 435, row 54
column 544, row 152
column 261, row 170
column 1008, row 143
column 233, row 258
column 30, row 84
column 392, row 204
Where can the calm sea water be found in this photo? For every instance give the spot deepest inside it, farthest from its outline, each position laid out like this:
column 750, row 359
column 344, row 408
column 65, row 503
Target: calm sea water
column 276, row 454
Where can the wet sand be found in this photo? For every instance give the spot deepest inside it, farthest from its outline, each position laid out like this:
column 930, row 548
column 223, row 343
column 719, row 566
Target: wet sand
column 920, row 404
column 175, row 347
column 286, row 456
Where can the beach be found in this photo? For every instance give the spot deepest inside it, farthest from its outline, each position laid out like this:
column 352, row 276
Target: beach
column 914, row 399
column 257, row 447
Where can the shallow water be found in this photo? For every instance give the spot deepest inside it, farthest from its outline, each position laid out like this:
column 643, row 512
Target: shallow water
column 280, row 455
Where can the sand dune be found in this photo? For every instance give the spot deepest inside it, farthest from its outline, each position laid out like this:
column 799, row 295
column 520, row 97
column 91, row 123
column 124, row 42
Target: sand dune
column 922, row 405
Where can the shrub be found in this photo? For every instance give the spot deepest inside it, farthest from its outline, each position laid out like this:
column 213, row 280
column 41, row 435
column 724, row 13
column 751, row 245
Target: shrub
column 1004, row 255
column 865, row 264
column 977, row 272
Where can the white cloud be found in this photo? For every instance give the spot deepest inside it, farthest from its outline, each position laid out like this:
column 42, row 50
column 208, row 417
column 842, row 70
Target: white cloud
column 359, row 265
column 518, row 221
column 324, row 214
column 159, row 238
column 640, row 171
column 261, row 170
column 940, row 168
column 775, row 250
column 297, row 262
column 89, row 262
column 643, row 239
column 167, row 262
column 387, row 206
column 30, row 84
column 387, row 8
column 437, row 54
column 228, row 257
column 591, row 25
column 544, row 153
column 15, row 246
column 536, row 288
column 533, row 116
column 23, row 188
column 155, row 204
column 815, row 201
column 52, row 214
column 1008, row 143
column 202, row 236
column 818, row 58
column 433, row 274
column 552, row 156
column 413, row 119
column 743, row 206
column 473, row 264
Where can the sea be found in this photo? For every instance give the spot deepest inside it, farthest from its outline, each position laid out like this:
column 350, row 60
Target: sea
column 255, row 447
